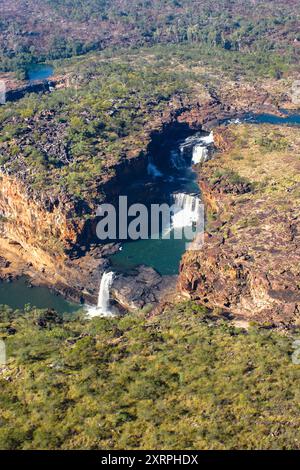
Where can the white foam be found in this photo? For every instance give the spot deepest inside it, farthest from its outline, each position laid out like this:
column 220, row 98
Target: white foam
column 103, row 308
column 186, row 210
column 200, row 154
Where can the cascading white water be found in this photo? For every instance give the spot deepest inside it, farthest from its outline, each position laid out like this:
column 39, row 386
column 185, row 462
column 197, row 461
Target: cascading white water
column 186, row 209
column 103, row 307
column 200, row 154
column 200, row 150
column 105, row 285
column 197, row 145
column 154, row 171
column 189, row 142
column 187, row 206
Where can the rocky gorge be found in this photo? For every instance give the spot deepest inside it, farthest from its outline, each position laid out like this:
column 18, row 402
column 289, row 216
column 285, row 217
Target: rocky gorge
column 50, row 236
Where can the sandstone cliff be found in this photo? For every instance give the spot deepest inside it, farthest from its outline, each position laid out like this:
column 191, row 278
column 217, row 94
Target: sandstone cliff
column 49, row 234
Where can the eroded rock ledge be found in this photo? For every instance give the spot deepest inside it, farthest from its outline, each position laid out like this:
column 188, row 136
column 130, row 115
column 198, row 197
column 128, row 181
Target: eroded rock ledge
column 249, row 264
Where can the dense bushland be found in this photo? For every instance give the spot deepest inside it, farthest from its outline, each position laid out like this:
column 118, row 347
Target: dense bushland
column 183, row 380
column 74, row 27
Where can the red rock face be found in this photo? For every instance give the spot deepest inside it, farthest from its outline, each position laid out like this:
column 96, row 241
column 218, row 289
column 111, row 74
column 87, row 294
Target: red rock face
column 249, row 264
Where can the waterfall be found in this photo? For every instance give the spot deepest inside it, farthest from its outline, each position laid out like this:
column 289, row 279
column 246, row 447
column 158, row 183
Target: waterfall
column 197, row 146
column 200, row 154
column 200, row 150
column 189, row 142
column 208, row 140
column 186, row 209
column 103, row 307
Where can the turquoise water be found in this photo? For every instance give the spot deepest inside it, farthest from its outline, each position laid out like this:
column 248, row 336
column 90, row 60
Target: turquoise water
column 293, row 119
column 18, row 293
column 162, row 255
column 290, row 119
column 39, row 72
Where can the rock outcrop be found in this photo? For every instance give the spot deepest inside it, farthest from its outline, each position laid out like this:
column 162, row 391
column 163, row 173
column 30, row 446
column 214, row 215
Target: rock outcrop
column 249, row 264
column 144, row 287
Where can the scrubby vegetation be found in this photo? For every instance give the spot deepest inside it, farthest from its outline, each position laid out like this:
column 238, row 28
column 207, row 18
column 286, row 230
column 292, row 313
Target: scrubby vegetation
column 66, row 141
column 62, row 140
column 184, row 380
column 74, row 27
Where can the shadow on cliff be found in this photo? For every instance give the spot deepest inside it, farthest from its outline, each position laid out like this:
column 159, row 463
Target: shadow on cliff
column 132, row 180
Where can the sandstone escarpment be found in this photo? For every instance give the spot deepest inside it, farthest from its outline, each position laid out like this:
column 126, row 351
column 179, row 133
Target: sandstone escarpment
column 249, row 264
column 36, row 236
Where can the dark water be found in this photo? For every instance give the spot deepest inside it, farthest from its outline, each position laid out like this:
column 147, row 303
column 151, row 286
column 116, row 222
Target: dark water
column 18, row 293
column 38, row 72
column 293, row 119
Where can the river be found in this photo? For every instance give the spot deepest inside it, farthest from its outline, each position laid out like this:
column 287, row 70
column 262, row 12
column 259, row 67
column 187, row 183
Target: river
column 37, row 72
column 18, row 293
